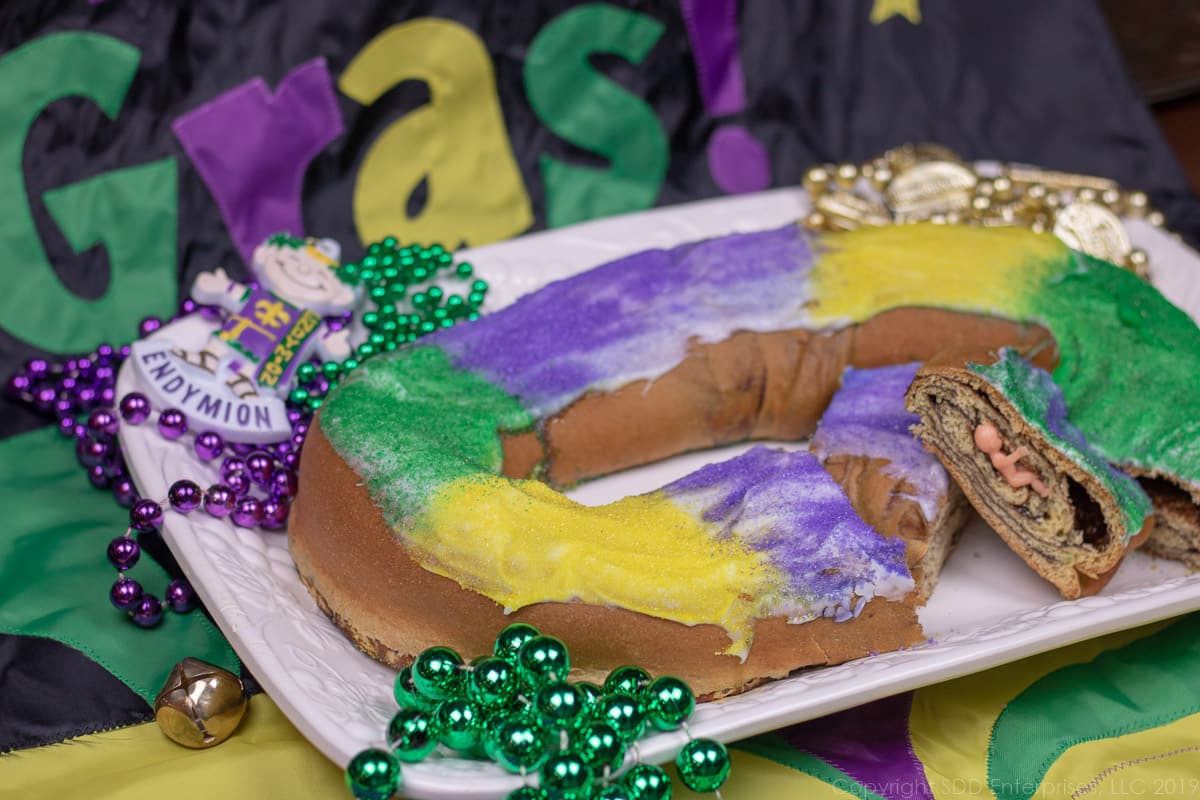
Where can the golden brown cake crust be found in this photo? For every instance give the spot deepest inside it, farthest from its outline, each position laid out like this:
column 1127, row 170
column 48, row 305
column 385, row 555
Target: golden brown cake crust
column 392, row 609
column 752, row 385
column 888, row 504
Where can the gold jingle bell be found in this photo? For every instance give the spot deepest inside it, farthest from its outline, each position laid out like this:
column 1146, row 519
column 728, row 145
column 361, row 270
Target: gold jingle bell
column 200, row 705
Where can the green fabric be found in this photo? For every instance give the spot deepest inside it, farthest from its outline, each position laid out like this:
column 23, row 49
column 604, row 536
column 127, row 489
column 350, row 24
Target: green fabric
column 1146, row 683
column 54, row 577
column 132, row 211
column 774, row 747
column 595, row 113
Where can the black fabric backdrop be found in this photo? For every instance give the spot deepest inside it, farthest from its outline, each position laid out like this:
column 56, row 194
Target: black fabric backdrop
column 1030, row 81
column 1022, row 80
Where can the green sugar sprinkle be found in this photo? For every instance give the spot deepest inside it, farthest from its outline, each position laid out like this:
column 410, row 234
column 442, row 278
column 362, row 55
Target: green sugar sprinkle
column 1036, row 398
column 1130, row 366
column 410, row 421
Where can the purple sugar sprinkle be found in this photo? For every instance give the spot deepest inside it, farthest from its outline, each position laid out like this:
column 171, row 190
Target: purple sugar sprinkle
column 867, row 417
column 784, row 504
column 636, row 313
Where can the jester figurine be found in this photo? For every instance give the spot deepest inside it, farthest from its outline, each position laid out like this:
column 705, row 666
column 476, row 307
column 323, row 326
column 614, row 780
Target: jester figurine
column 271, row 331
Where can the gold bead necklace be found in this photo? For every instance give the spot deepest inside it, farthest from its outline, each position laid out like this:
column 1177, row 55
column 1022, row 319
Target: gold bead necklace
column 930, row 183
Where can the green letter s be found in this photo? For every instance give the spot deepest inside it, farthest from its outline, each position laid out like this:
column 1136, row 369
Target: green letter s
column 589, row 110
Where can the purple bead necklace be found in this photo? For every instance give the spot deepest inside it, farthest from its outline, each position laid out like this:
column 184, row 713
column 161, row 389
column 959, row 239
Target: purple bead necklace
column 269, row 468
column 87, row 385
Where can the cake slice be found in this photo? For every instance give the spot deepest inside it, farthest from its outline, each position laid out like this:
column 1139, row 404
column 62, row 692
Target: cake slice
column 897, row 486
column 1002, row 432
column 1176, row 532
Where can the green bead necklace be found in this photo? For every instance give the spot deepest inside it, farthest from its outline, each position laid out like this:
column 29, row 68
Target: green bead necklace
column 703, row 765
column 516, row 707
column 459, row 723
column 386, row 273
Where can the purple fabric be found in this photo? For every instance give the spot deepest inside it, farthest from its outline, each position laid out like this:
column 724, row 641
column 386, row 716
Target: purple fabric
column 712, row 27
column 252, row 149
column 737, row 161
column 632, row 318
column 870, row 744
column 784, row 504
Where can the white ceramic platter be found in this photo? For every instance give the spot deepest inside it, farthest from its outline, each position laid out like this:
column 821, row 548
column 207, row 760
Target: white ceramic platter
column 988, row 608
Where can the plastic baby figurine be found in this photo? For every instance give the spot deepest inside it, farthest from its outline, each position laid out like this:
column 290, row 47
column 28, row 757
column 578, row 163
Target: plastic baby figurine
column 989, row 441
column 273, row 330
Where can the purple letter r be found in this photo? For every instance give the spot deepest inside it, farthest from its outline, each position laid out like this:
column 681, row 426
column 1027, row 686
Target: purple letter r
column 252, row 148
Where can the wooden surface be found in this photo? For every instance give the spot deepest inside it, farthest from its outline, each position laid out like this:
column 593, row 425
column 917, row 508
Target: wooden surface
column 1180, row 121
column 1160, row 41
